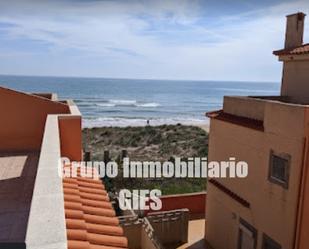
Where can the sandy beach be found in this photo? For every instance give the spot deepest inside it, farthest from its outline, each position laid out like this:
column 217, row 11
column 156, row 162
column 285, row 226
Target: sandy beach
column 204, row 127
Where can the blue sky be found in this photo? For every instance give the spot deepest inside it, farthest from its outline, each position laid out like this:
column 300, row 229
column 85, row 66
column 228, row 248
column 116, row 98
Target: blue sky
column 180, row 39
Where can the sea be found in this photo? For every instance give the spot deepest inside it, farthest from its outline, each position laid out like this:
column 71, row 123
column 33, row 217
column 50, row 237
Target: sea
column 134, row 102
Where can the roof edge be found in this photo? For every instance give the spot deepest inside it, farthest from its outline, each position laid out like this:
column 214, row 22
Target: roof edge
column 288, row 51
column 32, row 96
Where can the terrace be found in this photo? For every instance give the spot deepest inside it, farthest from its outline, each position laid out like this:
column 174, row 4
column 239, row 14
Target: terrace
column 263, row 113
column 39, row 210
column 179, row 224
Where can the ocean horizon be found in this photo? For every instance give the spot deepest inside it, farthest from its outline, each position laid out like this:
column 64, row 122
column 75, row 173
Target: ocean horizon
column 133, row 102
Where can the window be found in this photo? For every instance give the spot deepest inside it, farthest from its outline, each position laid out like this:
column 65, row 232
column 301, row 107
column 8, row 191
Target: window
column 247, row 235
column 269, row 243
column 279, row 168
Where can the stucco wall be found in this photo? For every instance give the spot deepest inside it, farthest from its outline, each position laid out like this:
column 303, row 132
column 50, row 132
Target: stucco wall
column 303, row 214
column 133, row 232
column 164, row 222
column 285, row 120
column 273, row 209
column 70, row 128
column 146, row 242
column 23, row 118
column 295, row 82
column 244, row 106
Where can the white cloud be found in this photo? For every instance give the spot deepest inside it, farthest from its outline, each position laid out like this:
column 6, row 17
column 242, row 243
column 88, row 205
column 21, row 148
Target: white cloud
column 158, row 39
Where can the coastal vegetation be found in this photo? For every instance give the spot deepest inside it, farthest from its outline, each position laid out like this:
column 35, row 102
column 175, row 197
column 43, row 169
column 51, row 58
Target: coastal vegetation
column 148, row 143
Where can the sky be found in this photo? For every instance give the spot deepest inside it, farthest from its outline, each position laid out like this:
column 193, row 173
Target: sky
column 229, row 40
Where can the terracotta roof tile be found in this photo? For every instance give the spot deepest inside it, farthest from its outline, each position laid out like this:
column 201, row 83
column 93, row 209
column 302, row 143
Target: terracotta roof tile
column 95, row 197
column 304, row 49
column 90, row 219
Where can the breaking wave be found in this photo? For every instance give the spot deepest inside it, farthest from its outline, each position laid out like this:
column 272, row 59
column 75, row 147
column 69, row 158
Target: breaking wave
column 124, row 122
column 117, row 103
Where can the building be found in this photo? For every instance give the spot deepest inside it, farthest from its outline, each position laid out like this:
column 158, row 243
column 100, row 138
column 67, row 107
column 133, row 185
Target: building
column 39, row 210
column 269, row 209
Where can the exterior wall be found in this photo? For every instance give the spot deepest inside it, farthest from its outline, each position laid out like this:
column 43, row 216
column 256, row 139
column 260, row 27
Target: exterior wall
column 295, row 80
column 139, row 232
column 245, row 107
column 294, row 30
column 285, row 120
column 23, row 118
column 154, row 230
column 194, row 202
column 302, row 239
column 27, row 122
column 146, row 242
column 176, row 221
column 221, row 222
column 70, row 128
column 71, row 137
column 133, row 231
column 273, row 209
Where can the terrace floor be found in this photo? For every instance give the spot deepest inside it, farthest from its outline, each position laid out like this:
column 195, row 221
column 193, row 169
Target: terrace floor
column 17, row 177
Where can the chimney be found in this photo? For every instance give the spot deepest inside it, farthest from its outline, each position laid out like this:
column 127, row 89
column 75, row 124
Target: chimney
column 294, row 30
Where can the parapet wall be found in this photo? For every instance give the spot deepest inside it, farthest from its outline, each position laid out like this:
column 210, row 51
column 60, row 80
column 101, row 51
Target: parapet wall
column 244, row 107
column 46, row 225
column 62, row 137
column 23, row 118
column 176, row 221
column 150, row 232
column 277, row 113
column 194, row 202
column 70, row 129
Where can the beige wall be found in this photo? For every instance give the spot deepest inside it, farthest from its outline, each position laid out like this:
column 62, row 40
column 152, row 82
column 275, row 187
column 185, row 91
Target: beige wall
column 138, row 233
column 176, row 221
column 146, row 242
column 244, row 106
column 221, row 226
column 294, row 30
column 156, row 229
column 295, row 82
column 273, row 209
column 23, row 118
column 302, row 240
column 133, row 232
